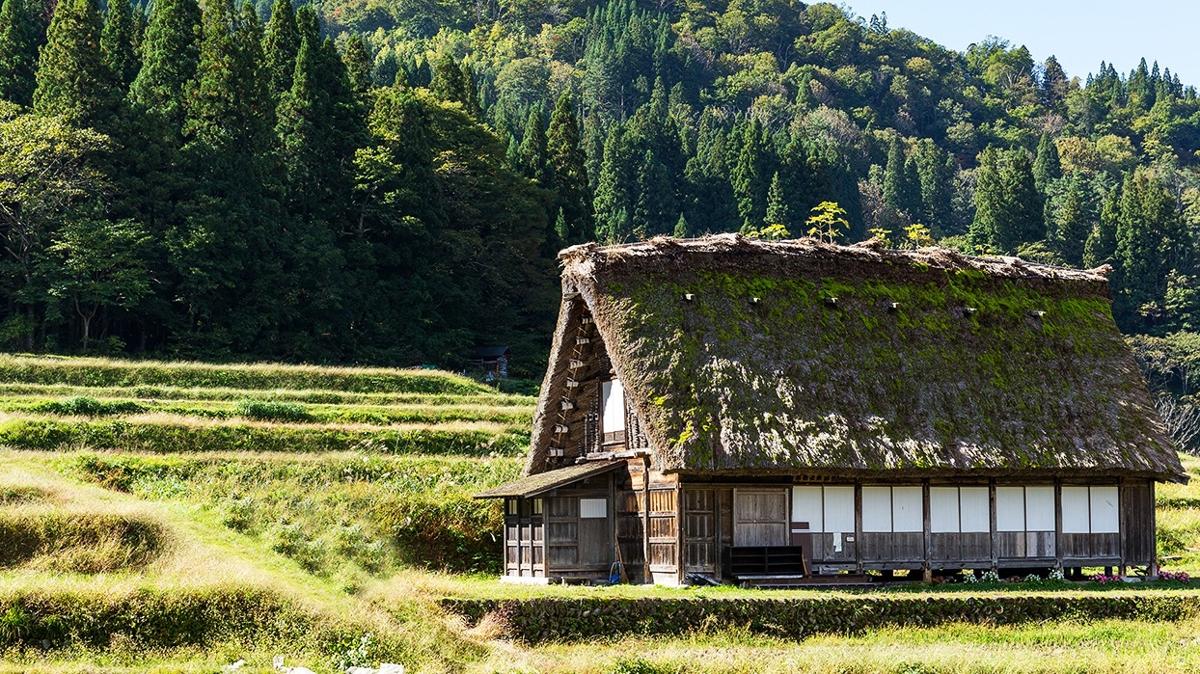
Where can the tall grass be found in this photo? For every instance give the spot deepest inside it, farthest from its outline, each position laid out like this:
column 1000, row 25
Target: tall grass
column 365, row 514
column 108, row 372
column 164, row 433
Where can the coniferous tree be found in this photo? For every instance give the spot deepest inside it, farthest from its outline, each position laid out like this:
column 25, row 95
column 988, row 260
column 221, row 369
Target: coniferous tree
column 118, row 43
column 901, row 190
column 20, row 37
column 613, row 202
column 358, row 67
column 72, row 80
column 656, row 200
column 281, row 42
column 1101, row 244
column 567, row 165
column 170, row 53
column 1008, row 207
column 748, row 179
column 1146, row 212
column 711, row 205
column 1046, row 166
column 531, row 153
column 935, row 175
column 1054, row 85
column 777, row 208
column 1070, row 222
column 682, row 230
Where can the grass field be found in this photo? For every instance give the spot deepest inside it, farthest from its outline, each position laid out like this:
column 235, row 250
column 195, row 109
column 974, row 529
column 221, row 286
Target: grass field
column 177, row 517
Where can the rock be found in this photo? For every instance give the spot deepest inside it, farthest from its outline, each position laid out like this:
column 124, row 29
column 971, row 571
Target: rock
column 277, row 662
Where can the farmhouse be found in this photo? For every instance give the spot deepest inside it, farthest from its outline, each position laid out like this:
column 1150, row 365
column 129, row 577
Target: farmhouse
column 722, row 409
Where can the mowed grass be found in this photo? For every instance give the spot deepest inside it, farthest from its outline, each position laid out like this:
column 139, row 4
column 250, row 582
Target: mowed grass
column 177, row 517
column 51, row 403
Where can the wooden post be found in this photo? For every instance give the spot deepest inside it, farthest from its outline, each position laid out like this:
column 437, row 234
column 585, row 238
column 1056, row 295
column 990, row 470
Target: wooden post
column 545, row 541
column 858, row 526
column 612, row 522
column 992, row 525
column 1058, row 525
column 1152, row 571
column 927, row 569
column 679, row 572
column 646, row 577
column 1122, row 525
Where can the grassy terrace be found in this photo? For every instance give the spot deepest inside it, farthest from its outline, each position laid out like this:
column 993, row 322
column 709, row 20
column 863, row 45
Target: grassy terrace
column 177, row 517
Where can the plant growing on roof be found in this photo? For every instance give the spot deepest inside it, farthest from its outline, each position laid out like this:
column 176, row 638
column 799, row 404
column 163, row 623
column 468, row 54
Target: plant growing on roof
column 917, row 236
column 828, row 221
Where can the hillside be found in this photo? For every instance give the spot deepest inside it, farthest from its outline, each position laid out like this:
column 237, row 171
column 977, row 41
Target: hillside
column 185, row 552
column 387, row 182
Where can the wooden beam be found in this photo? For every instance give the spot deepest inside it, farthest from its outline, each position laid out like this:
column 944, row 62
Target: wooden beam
column 858, row 558
column 679, row 572
column 927, row 569
column 1153, row 570
column 646, row 576
column 1058, row 524
column 992, row 525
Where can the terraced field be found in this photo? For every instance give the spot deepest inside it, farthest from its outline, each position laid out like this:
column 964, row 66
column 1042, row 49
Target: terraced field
column 178, row 517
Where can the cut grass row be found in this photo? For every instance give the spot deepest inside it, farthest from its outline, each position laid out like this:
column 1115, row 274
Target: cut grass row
column 516, row 415
column 102, row 372
column 314, row 396
column 166, row 433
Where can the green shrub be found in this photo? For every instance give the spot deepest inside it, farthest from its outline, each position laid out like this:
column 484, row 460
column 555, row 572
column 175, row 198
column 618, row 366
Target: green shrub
column 77, row 542
column 155, row 619
column 264, row 410
column 85, row 406
column 545, row 619
column 372, row 512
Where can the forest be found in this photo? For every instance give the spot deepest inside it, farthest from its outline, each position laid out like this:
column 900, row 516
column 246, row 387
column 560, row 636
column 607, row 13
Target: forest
column 388, row 181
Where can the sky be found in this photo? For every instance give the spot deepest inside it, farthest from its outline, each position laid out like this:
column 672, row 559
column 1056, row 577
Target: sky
column 1080, row 34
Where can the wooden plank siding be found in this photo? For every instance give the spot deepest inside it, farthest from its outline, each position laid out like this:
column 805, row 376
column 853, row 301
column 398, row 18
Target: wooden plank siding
column 664, row 527
column 739, row 514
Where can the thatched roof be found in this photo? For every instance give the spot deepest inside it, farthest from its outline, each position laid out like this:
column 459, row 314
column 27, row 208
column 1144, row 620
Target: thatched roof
column 798, row 356
column 540, row 483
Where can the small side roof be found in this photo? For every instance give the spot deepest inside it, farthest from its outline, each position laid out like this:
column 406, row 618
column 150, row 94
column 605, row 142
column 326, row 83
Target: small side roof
column 540, row 483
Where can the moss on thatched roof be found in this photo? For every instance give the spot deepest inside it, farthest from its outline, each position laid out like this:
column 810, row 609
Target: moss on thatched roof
column 744, row 355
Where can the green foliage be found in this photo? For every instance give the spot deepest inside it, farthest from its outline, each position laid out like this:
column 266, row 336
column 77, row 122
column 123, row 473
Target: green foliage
column 827, row 222
column 537, row 620
column 263, row 410
column 72, row 79
column 21, row 33
column 370, row 511
column 169, row 436
column 88, row 407
column 290, row 208
column 102, row 372
column 118, row 44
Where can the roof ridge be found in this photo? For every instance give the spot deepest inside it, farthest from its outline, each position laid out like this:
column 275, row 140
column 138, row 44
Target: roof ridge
column 1006, row 266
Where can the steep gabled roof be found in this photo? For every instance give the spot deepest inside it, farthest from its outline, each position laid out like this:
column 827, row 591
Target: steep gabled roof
column 743, row 355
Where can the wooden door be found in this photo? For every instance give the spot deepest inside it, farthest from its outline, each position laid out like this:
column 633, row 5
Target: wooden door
column 699, row 530
column 760, row 517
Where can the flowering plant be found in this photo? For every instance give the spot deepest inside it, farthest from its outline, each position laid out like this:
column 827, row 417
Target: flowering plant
column 1104, row 579
column 1177, row 576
